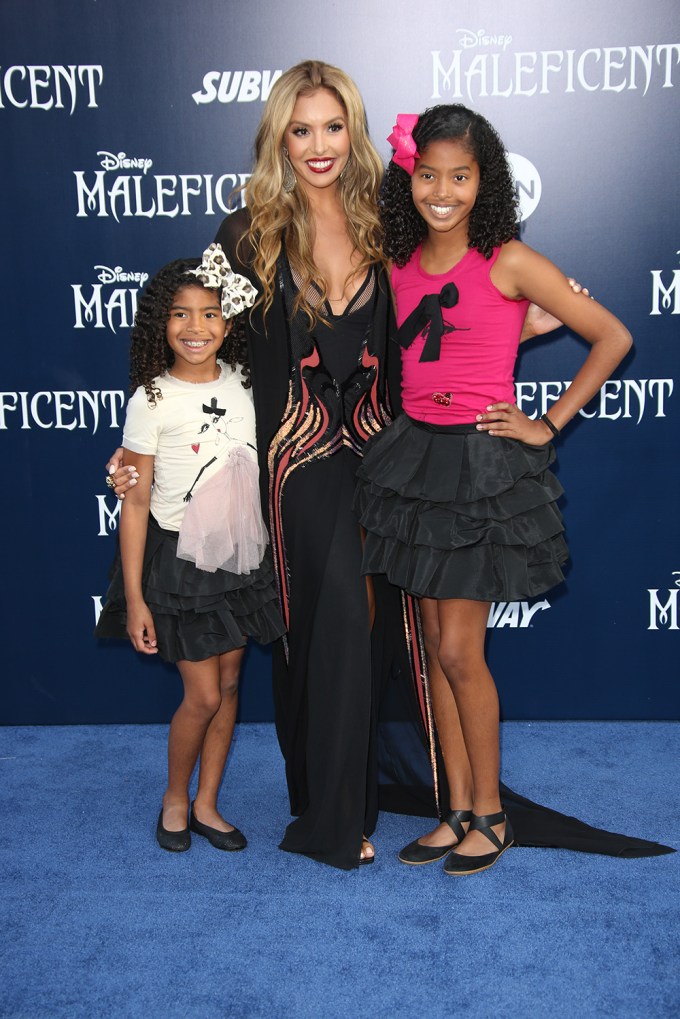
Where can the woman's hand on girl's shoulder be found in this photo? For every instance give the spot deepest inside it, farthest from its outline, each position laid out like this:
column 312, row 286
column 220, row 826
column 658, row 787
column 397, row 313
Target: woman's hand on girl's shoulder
column 538, row 321
column 509, row 422
column 123, row 477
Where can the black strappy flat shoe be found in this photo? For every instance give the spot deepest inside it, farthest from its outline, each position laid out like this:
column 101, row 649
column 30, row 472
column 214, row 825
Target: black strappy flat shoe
column 459, row 865
column 416, row 853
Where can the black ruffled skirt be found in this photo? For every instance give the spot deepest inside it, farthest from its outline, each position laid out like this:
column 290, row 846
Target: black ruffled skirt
column 450, row 512
column 197, row 614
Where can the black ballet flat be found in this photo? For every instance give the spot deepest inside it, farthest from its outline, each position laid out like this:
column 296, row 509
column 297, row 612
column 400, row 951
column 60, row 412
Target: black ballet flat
column 173, row 841
column 416, row 853
column 229, row 841
column 459, row 866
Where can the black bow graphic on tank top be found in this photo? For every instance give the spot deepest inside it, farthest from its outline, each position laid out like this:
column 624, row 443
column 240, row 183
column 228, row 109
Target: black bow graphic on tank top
column 427, row 319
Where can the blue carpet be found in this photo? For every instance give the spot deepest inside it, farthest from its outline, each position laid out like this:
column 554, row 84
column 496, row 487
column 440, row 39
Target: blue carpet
column 98, row 921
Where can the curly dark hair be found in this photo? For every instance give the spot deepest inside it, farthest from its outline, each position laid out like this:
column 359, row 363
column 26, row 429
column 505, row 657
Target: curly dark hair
column 150, row 355
column 495, row 216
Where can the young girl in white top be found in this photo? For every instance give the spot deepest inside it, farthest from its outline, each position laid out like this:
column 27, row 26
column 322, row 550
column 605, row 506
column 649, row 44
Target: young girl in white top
column 194, row 578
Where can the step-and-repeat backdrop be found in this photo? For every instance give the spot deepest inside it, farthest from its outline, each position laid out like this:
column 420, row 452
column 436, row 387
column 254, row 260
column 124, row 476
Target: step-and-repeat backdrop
column 125, row 127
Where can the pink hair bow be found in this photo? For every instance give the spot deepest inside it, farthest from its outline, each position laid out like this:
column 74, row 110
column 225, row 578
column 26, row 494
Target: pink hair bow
column 401, row 140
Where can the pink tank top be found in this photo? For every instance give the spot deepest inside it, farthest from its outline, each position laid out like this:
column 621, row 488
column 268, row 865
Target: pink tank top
column 477, row 359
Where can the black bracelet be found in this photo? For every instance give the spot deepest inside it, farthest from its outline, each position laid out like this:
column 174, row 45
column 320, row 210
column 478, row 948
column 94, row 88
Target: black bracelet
column 551, row 426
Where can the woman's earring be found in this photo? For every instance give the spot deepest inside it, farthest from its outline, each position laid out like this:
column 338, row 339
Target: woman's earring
column 289, row 178
column 344, row 169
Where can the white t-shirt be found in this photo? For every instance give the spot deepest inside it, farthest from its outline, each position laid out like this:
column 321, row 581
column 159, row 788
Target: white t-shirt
column 190, row 433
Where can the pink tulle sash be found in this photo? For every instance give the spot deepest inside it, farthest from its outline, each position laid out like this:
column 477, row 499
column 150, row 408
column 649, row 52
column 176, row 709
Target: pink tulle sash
column 222, row 527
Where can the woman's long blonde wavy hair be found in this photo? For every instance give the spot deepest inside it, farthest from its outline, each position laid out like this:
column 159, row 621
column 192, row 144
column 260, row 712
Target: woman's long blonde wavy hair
column 275, row 212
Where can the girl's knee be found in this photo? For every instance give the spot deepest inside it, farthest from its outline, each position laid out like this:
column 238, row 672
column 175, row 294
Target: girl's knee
column 230, row 672
column 203, row 704
column 460, row 664
column 229, row 685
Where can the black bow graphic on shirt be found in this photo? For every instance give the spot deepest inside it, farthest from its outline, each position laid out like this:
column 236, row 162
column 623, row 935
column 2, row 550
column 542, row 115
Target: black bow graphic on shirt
column 427, row 319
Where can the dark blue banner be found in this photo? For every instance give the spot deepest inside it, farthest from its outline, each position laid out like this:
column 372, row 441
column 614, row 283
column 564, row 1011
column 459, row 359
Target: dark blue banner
column 125, row 128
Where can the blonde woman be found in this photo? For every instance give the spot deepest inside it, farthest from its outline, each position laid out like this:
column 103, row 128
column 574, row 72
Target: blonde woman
column 310, row 241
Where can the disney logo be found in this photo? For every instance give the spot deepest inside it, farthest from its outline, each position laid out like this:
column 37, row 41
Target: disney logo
column 120, row 161
column 468, row 40
column 117, row 275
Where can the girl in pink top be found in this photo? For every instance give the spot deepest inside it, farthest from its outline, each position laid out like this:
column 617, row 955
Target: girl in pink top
column 456, row 497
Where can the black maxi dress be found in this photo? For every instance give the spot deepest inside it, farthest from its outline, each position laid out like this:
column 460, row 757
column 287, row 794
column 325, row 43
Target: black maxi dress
column 352, row 706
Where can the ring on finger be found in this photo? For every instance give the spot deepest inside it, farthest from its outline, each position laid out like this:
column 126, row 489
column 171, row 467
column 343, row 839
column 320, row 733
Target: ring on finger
column 110, row 481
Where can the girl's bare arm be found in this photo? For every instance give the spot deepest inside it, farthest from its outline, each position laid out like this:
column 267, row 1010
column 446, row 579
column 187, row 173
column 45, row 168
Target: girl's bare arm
column 134, row 519
column 522, row 273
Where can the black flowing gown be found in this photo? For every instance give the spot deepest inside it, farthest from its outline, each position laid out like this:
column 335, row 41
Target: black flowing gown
column 353, row 714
